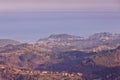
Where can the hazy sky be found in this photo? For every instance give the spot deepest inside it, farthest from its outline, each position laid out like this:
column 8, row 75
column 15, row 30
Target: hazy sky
column 55, row 5
column 29, row 20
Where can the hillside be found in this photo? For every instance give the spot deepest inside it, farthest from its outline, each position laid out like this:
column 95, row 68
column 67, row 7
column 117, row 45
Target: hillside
column 108, row 64
column 11, row 72
column 95, row 57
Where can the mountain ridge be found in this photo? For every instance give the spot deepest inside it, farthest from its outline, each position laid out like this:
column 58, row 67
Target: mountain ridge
column 5, row 42
column 93, row 41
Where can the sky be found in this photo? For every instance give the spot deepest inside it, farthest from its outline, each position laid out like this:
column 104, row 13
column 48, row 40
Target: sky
column 56, row 5
column 29, row 20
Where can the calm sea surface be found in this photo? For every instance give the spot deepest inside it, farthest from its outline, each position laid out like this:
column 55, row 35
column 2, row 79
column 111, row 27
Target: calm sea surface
column 32, row 26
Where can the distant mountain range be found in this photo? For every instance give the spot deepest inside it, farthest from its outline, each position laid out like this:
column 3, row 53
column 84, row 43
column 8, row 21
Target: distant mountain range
column 96, row 42
column 95, row 58
column 5, row 42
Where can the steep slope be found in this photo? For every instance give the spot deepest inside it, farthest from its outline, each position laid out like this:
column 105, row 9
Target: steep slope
column 109, row 58
column 106, row 65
